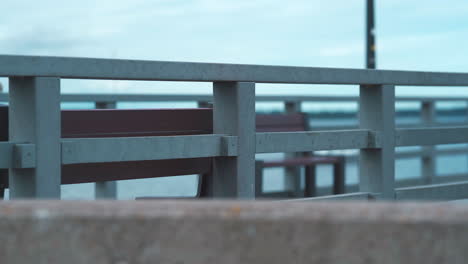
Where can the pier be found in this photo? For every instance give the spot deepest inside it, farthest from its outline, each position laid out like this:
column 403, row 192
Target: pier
column 296, row 230
column 36, row 148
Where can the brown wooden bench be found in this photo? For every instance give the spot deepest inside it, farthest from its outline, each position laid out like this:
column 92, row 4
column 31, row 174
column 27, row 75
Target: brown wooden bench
column 293, row 122
column 129, row 123
column 299, row 122
column 151, row 122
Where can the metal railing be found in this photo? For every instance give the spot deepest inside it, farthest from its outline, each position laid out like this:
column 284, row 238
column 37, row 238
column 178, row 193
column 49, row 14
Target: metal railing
column 35, row 151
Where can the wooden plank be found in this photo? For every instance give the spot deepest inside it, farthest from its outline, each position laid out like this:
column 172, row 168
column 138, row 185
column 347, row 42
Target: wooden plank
column 281, row 122
column 126, row 123
column 92, row 172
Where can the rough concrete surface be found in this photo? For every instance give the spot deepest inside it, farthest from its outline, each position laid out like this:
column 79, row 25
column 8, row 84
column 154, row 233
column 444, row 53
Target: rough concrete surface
column 231, row 232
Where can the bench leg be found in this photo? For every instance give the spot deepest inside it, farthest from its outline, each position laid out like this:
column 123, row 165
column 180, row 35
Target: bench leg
column 105, row 190
column 3, row 183
column 258, row 178
column 310, row 189
column 205, row 189
column 339, row 181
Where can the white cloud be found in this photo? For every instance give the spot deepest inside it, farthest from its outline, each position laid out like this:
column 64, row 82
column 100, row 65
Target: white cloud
column 410, row 35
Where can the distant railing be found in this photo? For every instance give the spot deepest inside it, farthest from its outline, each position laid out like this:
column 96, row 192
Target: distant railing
column 34, row 152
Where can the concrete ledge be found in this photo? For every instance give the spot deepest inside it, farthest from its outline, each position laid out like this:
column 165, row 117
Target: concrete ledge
column 232, row 232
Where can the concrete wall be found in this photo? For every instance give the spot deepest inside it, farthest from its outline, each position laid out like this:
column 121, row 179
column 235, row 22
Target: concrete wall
column 231, row 232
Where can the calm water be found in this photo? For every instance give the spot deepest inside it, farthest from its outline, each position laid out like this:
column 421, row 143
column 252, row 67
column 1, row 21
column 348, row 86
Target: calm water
column 274, row 180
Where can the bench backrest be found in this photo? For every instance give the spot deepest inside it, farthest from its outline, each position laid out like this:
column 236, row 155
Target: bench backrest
column 282, row 122
column 135, row 123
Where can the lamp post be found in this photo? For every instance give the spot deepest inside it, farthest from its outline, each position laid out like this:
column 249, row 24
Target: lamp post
column 370, row 36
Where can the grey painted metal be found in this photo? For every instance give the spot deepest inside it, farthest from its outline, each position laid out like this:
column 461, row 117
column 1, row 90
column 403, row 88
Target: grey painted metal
column 438, row 152
column 292, row 177
column 91, row 68
column 346, row 196
column 377, row 165
column 234, row 114
column 431, row 136
column 112, row 97
column 6, row 155
column 35, row 118
column 416, row 125
column 24, row 156
column 209, row 98
column 107, row 189
column 21, row 156
column 428, row 163
column 314, row 140
column 353, row 188
column 445, row 191
column 117, row 149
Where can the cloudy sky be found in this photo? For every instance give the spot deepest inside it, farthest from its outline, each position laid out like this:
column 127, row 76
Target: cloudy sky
column 415, row 35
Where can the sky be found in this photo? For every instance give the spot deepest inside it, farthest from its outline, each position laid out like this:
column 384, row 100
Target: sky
column 428, row 35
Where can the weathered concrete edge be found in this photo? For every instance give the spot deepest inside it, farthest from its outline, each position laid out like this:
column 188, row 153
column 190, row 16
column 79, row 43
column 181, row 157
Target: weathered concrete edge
column 315, row 211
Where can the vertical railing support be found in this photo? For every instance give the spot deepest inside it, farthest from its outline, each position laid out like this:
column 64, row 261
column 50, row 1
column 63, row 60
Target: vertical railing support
column 377, row 166
column 234, row 114
column 106, row 189
column 428, row 116
column 34, row 117
column 292, row 180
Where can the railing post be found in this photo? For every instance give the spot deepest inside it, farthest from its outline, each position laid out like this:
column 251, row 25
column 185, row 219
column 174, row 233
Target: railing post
column 292, row 180
column 428, row 116
column 107, row 189
column 234, row 114
column 377, row 166
column 34, row 117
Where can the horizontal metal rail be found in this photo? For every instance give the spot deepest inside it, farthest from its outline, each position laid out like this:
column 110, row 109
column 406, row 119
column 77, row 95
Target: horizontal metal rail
column 17, row 155
column 313, row 141
column 352, row 189
column 415, row 125
column 92, row 68
column 339, row 197
column 431, row 136
column 445, row 191
column 117, row 149
column 441, row 192
column 112, row 97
